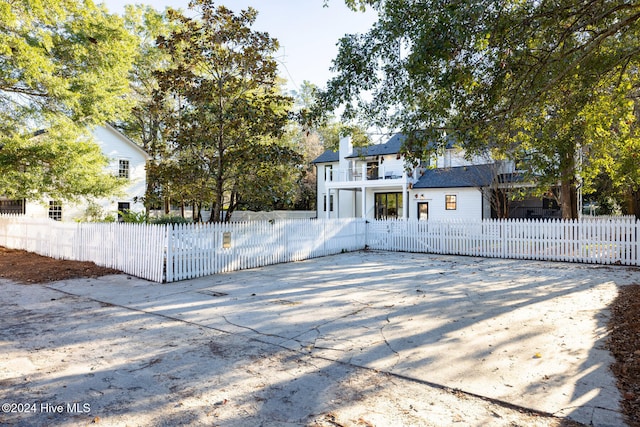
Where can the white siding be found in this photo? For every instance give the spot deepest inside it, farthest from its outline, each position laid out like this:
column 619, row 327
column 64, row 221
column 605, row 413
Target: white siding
column 469, row 203
column 323, row 168
column 116, row 147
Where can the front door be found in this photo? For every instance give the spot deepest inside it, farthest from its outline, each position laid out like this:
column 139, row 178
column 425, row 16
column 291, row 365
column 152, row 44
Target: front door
column 388, row 205
column 423, row 211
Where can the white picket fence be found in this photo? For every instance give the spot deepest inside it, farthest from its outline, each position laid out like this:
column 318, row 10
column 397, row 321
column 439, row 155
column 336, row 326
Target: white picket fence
column 165, row 253
column 196, row 250
column 136, row 249
column 607, row 241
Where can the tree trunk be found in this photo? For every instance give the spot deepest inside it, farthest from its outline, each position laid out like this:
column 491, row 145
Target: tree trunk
column 633, row 203
column 233, row 204
column 195, row 214
column 569, row 199
column 568, row 189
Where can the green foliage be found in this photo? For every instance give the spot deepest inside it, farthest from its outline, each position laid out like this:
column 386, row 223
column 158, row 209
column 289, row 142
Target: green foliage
column 56, row 164
column 63, row 68
column 547, row 80
column 132, row 217
column 225, row 110
column 170, row 220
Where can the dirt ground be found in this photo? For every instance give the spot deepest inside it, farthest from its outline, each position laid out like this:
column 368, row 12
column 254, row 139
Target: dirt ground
column 26, row 267
column 624, row 325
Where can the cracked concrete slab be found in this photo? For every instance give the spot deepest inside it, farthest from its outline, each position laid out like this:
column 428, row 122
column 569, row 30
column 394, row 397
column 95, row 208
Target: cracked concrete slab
column 527, row 333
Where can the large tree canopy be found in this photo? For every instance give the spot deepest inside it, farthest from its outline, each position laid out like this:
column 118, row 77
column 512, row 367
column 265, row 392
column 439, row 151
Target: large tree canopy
column 226, row 109
column 63, row 68
column 513, row 75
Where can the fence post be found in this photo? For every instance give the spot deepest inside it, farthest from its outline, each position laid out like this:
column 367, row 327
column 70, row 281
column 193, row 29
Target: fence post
column 168, row 259
column 637, row 238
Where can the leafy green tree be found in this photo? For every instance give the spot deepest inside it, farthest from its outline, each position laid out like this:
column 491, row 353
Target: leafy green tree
column 223, row 79
column 52, row 165
column 515, row 77
column 146, row 124
column 625, row 172
column 63, row 69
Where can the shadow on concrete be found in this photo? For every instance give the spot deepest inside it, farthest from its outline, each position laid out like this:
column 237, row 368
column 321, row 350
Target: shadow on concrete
column 296, row 344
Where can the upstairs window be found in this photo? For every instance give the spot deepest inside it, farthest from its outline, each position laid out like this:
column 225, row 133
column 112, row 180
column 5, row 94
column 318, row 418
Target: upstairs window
column 328, row 173
column 123, row 169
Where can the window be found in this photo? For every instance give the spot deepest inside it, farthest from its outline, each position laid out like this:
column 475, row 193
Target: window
column 451, row 202
column 388, row 205
column 330, row 202
column 12, row 206
column 123, row 169
column 123, row 208
column 328, row 173
column 55, row 210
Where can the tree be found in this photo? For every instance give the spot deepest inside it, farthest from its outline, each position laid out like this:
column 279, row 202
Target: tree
column 223, row 81
column 146, row 123
column 63, row 69
column 517, row 76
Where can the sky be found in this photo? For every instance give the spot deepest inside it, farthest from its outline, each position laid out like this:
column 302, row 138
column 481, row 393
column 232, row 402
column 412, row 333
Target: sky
column 307, row 31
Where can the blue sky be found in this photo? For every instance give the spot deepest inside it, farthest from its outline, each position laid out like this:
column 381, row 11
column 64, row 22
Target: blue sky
column 307, row 31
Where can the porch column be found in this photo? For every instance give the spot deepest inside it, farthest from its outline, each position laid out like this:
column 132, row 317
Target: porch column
column 327, row 212
column 405, row 197
column 364, row 202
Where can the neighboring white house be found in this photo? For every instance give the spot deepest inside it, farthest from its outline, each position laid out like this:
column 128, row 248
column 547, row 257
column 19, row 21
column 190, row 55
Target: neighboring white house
column 126, row 159
column 376, row 182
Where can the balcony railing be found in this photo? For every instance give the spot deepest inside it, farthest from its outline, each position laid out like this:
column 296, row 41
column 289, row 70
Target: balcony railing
column 364, row 173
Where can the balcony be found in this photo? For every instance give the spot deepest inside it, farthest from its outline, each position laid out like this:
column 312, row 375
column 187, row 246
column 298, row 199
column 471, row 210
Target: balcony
column 367, row 175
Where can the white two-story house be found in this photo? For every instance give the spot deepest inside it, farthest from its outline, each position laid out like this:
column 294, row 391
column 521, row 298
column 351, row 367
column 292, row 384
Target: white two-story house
column 126, row 160
column 376, row 182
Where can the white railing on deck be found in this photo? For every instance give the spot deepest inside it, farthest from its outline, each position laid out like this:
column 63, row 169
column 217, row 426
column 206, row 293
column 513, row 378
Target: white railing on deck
column 171, row 253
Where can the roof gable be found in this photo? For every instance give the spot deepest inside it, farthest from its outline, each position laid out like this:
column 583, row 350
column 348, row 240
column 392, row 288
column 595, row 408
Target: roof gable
column 126, row 140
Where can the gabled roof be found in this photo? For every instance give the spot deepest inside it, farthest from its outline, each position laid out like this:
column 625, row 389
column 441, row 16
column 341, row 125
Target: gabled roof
column 392, row 146
column 126, row 139
column 456, row 177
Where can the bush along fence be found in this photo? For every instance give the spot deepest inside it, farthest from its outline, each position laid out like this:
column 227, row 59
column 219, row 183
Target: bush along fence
column 168, row 253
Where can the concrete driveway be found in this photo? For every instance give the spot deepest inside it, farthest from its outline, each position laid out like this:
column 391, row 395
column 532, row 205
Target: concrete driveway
column 365, row 337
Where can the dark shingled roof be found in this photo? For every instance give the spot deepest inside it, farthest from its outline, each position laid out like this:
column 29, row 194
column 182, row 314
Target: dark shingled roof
column 461, row 176
column 327, row 157
column 392, row 146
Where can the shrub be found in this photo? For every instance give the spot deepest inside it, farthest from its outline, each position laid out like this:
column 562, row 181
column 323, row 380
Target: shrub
column 170, row 220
